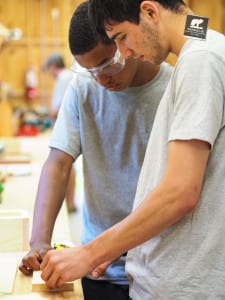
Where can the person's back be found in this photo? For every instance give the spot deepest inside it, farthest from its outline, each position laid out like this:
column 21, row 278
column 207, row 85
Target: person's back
column 61, row 83
column 55, row 66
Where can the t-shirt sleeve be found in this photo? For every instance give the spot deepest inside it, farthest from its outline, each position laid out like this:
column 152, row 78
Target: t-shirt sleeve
column 66, row 132
column 197, row 110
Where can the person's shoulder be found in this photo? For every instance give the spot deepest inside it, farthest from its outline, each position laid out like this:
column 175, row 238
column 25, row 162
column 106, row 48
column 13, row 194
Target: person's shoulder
column 86, row 87
column 215, row 36
column 216, row 44
column 213, row 45
column 166, row 68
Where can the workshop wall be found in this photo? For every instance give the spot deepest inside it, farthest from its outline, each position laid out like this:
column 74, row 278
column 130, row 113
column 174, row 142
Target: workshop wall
column 44, row 25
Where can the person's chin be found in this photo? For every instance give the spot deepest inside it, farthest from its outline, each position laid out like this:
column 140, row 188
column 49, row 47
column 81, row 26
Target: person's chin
column 115, row 88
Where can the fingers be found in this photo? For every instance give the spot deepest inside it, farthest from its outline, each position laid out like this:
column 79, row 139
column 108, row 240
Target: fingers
column 51, row 272
column 47, row 266
column 51, row 278
column 100, row 270
column 44, row 263
column 25, row 270
column 60, row 266
column 42, row 253
column 30, row 262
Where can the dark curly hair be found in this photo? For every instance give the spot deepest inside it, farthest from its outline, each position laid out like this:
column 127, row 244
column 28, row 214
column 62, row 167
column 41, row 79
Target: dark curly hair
column 82, row 36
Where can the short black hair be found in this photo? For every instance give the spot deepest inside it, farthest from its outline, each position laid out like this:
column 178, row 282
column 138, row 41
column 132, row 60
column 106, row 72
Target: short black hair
column 82, row 36
column 103, row 12
column 55, row 59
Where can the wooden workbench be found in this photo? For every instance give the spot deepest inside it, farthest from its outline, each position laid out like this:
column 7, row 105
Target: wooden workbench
column 20, row 193
column 23, row 287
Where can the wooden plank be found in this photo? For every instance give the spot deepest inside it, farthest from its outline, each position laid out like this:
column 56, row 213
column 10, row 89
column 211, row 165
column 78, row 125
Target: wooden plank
column 15, row 159
column 38, row 284
column 8, row 267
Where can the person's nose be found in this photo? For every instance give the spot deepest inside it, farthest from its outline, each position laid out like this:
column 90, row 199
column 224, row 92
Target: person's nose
column 124, row 50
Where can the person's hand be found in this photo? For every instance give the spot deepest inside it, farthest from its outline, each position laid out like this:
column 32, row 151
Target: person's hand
column 100, row 270
column 32, row 260
column 60, row 266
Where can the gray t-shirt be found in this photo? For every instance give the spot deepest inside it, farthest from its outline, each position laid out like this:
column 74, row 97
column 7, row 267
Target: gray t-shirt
column 111, row 130
column 61, row 83
column 187, row 260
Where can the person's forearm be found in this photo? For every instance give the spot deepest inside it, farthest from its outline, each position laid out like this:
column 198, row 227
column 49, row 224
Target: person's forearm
column 175, row 196
column 163, row 207
column 50, row 195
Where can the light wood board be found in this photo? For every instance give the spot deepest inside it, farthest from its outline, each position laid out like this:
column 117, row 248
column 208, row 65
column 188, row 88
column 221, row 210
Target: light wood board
column 15, row 159
column 8, row 267
column 38, row 284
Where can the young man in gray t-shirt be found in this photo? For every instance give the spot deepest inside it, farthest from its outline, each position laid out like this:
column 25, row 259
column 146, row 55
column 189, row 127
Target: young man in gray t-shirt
column 107, row 119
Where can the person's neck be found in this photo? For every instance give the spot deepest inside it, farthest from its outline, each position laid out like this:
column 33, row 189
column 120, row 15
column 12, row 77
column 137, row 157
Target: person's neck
column 145, row 73
column 175, row 29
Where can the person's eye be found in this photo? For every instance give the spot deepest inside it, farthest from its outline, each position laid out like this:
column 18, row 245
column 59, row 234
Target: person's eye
column 123, row 37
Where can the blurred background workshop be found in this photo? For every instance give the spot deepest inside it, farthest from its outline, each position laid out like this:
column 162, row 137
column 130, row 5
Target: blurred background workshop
column 33, row 37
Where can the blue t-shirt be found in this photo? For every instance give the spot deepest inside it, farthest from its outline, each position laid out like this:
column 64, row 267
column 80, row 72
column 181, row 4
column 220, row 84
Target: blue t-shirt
column 111, row 131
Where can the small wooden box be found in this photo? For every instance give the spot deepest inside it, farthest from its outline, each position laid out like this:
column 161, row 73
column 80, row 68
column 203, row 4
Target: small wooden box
column 14, row 230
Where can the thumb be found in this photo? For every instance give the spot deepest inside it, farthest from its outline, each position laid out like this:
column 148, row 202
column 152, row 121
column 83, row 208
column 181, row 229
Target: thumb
column 100, row 270
column 42, row 253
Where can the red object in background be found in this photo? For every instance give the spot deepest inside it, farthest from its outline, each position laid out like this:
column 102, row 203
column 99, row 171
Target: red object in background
column 31, row 83
column 28, row 130
column 31, row 93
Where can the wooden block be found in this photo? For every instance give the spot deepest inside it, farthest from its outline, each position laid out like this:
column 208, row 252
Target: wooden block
column 8, row 267
column 15, row 158
column 14, row 230
column 38, row 284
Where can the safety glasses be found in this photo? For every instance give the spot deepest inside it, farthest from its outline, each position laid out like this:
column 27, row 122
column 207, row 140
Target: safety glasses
column 109, row 68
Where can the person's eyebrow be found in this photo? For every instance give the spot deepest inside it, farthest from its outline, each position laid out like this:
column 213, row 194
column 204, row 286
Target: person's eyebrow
column 115, row 36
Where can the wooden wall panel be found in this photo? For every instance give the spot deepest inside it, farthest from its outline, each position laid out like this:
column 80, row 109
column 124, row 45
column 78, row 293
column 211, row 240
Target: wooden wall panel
column 13, row 13
column 45, row 30
column 13, row 62
column 42, row 35
column 215, row 10
column 33, row 23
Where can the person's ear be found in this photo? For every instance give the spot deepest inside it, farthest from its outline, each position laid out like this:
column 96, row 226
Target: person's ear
column 150, row 10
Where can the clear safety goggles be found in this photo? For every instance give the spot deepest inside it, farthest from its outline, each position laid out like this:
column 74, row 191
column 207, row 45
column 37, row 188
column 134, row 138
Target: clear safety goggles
column 110, row 67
